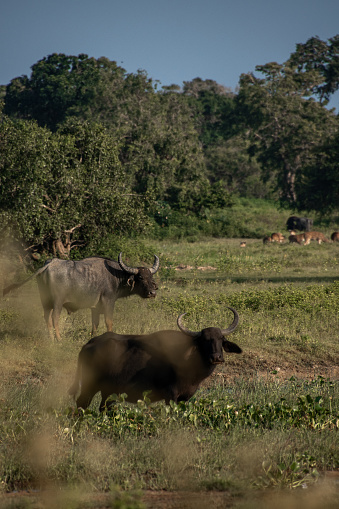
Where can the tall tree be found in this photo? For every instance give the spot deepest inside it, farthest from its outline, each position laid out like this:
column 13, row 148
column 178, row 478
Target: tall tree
column 229, row 161
column 59, row 86
column 319, row 59
column 285, row 126
column 318, row 186
column 61, row 190
column 157, row 140
column 212, row 105
column 163, row 150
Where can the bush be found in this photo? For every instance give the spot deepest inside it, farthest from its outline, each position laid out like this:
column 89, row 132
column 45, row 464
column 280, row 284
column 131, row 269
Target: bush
column 242, row 218
column 134, row 251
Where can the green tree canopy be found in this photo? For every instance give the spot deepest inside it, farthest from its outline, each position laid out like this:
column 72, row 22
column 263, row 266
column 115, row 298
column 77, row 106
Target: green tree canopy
column 213, row 106
column 155, row 133
column 285, row 127
column 318, row 185
column 82, row 131
column 229, row 161
column 319, row 59
column 61, row 190
column 57, row 84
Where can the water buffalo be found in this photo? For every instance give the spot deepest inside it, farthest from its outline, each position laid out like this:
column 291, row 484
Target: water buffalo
column 299, row 223
column 171, row 364
column 94, row 283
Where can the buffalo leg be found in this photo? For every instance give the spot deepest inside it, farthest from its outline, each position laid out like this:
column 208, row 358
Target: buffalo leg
column 109, row 324
column 55, row 318
column 48, row 320
column 95, row 320
column 173, row 396
column 108, row 313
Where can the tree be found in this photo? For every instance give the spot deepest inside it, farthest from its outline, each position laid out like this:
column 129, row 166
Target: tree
column 319, row 59
column 229, row 161
column 285, row 127
column 63, row 190
column 163, row 150
column 213, row 106
column 155, row 133
column 61, row 86
column 318, row 186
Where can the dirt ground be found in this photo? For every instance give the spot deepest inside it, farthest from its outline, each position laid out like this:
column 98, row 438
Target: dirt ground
column 252, row 366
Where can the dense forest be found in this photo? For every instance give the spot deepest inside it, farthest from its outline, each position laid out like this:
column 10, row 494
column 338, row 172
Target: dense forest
column 87, row 149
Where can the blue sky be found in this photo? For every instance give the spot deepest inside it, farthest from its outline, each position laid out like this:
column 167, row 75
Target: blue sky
column 172, row 40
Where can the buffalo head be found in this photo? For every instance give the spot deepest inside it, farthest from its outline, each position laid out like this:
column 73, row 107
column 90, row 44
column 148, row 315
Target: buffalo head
column 141, row 278
column 211, row 341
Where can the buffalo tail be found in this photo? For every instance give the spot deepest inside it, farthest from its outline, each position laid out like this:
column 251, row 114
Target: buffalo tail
column 10, row 288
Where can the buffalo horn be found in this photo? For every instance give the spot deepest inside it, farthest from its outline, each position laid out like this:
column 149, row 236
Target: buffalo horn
column 155, row 265
column 184, row 329
column 224, row 332
column 134, row 270
column 233, row 325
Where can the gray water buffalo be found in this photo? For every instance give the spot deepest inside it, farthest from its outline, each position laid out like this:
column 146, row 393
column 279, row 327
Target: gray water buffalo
column 171, row 364
column 299, row 223
column 94, row 283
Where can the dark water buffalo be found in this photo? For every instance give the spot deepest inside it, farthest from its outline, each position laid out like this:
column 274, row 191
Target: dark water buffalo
column 171, row 364
column 299, row 223
column 94, row 283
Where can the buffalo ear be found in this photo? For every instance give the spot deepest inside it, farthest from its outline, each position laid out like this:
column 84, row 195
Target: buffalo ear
column 230, row 347
column 130, row 281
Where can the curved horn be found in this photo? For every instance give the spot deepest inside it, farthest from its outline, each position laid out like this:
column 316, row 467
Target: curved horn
column 233, row 325
column 184, row 329
column 133, row 270
column 224, row 332
column 130, row 270
column 155, row 265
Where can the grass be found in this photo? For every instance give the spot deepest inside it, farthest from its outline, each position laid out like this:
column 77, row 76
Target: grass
column 267, row 420
column 249, row 218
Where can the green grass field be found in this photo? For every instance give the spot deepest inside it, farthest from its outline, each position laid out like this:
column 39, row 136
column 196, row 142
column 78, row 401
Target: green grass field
column 261, row 432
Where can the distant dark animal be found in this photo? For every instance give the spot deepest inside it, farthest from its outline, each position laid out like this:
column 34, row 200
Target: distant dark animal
column 94, row 283
column 171, row 364
column 299, row 223
column 335, row 237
